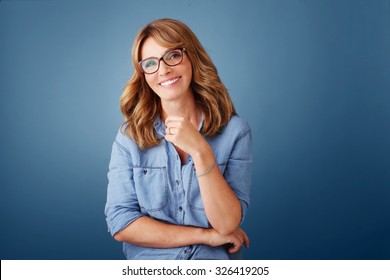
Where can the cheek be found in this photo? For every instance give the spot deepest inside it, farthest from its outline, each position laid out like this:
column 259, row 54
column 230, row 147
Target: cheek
column 189, row 77
column 150, row 80
column 187, row 70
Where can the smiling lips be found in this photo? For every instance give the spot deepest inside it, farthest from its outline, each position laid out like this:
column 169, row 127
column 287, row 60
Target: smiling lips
column 169, row 82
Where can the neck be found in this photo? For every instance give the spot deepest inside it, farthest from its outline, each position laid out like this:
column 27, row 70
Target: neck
column 186, row 108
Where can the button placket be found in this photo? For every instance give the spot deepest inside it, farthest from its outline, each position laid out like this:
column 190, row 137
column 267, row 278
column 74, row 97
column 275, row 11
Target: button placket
column 179, row 192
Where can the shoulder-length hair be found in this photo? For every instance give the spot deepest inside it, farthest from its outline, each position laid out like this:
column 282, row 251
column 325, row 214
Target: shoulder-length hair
column 140, row 105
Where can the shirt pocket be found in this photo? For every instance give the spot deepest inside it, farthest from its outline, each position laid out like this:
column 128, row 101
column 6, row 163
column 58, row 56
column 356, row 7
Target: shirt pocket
column 194, row 196
column 151, row 187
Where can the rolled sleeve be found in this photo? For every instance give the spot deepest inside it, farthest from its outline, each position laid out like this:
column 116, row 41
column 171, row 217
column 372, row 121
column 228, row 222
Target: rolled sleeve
column 122, row 206
column 238, row 173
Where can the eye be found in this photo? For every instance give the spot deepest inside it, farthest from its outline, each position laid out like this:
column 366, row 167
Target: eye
column 173, row 55
column 149, row 63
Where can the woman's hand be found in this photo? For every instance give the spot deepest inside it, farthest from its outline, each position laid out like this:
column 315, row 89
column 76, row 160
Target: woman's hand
column 237, row 239
column 183, row 134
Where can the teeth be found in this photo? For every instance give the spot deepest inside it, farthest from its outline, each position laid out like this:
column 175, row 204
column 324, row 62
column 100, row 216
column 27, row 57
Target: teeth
column 167, row 83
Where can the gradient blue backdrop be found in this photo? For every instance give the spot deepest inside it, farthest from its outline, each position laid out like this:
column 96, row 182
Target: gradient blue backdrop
column 311, row 77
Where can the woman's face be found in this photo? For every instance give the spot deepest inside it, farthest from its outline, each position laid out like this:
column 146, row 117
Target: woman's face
column 170, row 83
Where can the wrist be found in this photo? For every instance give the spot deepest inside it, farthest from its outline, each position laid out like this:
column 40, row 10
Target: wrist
column 202, row 152
column 204, row 236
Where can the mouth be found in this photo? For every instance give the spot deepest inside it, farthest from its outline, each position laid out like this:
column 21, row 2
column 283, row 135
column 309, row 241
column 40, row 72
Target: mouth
column 170, row 82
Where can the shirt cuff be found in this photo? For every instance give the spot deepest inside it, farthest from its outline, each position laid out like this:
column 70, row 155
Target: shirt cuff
column 121, row 223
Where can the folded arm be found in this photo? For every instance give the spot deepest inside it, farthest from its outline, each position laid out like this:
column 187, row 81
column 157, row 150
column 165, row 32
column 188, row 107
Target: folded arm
column 148, row 232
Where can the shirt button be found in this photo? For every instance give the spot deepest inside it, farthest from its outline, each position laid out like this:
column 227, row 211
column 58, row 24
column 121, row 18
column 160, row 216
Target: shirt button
column 177, row 182
column 180, row 208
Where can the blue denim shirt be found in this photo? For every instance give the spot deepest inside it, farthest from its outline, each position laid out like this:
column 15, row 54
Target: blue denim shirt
column 155, row 183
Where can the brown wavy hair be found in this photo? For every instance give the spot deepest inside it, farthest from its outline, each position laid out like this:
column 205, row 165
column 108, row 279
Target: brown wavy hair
column 140, row 105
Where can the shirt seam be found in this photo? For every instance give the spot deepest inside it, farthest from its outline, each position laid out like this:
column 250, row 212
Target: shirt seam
column 241, row 136
column 120, row 146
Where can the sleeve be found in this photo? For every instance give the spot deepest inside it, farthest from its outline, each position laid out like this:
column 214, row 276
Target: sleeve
column 238, row 172
column 122, row 206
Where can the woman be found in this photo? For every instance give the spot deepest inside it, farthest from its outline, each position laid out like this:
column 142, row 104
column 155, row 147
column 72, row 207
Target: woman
column 180, row 167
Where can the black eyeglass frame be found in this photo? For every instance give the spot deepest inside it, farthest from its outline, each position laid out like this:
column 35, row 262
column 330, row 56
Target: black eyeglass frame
column 162, row 58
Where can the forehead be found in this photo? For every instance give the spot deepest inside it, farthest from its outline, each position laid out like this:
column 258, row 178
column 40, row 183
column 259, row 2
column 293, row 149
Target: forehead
column 150, row 48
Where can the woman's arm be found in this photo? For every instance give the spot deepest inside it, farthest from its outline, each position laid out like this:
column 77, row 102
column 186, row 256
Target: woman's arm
column 148, row 232
column 223, row 209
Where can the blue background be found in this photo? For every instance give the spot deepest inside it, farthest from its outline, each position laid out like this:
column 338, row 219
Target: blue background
column 311, row 77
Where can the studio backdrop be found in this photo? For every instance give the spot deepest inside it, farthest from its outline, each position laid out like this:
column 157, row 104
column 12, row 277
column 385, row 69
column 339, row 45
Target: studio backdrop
column 312, row 78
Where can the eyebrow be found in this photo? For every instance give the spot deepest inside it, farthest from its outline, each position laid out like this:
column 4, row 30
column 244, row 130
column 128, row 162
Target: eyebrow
column 167, row 51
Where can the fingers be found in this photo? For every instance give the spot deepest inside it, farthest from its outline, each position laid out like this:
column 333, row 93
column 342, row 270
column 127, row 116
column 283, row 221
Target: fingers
column 174, row 119
column 170, row 130
column 182, row 133
column 173, row 125
column 236, row 244
column 234, row 249
column 236, row 239
column 239, row 237
column 246, row 238
column 243, row 236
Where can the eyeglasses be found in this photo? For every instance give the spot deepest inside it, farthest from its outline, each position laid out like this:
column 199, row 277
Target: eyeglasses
column 171, row 58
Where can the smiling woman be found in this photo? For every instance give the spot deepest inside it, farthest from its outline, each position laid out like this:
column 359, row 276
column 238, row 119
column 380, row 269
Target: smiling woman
column 172, row 84
column 180, row 168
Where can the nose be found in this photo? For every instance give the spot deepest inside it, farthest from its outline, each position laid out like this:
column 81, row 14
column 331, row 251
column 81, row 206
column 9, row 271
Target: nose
column 163, row 69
